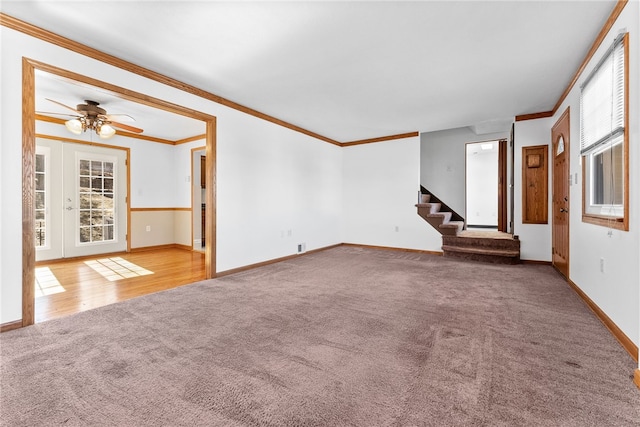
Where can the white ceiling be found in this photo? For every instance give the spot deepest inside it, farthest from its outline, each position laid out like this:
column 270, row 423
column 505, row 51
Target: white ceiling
column 155, row 122
column 347, row 70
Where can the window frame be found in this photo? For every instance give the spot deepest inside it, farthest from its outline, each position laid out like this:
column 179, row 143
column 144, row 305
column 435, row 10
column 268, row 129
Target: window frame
column 45, row 152
column 611, row 221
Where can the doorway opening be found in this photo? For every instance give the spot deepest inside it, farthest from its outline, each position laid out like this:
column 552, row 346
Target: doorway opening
column 198, row 195
column 29, row 158
column 481, row 183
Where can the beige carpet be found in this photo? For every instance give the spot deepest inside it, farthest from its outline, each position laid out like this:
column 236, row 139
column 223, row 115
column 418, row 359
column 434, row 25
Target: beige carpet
column 343, row 337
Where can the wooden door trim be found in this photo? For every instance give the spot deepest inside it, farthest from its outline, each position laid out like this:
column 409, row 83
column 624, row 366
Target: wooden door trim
column 567, row 146
column 193, row 208
column 502, row 185
column 29, row 67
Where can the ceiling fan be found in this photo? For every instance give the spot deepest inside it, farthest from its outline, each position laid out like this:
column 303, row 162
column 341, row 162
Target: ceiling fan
column 91, row 116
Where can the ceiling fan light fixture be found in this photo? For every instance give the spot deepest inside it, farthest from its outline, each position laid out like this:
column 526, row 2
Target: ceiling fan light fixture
column 106, row 131
column 74, row 126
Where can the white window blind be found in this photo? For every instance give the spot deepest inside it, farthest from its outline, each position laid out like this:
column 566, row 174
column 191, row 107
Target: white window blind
column 602, row 100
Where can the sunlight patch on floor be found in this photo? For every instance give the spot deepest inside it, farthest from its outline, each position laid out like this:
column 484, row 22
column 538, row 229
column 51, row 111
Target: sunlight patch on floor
column 46, row 282
column 116, row 268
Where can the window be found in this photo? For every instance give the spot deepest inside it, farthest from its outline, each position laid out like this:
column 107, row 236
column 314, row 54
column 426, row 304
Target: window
column 41, row 205
column 603, row 140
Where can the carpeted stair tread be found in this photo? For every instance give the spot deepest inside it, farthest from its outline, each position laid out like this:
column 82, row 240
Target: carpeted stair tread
column 446, row 216
column 485, row 251
column 452, row 224
column 433, row 207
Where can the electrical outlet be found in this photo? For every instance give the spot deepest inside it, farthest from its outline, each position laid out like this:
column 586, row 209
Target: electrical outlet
column 397, row 228
column 601, row 265
column 148, row 228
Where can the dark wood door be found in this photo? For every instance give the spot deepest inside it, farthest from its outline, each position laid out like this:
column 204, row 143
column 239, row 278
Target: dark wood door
column 560, row 204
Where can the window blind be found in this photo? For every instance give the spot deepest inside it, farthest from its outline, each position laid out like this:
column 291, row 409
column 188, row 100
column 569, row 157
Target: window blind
column 602, row 100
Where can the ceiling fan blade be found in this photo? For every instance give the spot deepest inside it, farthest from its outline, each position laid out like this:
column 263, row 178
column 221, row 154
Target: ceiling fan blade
column 120, row 117
column 47, row 113
column 65, row 106
column 126, row 127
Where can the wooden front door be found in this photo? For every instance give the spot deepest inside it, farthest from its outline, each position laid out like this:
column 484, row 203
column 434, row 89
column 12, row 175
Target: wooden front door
column 560, row 206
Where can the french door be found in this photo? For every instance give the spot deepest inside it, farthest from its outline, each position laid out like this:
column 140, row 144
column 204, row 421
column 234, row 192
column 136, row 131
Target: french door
column 81, row 203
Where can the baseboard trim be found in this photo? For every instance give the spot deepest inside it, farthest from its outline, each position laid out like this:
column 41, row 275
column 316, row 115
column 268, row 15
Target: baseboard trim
column 533, row 261
column 636, row 377
column 624, row 340
column 271, row 261
column 9, row 326
column 158, row 247
column 391, row 248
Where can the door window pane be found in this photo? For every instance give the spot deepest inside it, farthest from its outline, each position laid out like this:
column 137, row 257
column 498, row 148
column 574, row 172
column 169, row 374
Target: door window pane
column 96, row 194
column 40, row 206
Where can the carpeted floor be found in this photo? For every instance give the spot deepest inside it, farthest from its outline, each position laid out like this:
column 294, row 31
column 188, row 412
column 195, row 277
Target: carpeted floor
column 343, row 337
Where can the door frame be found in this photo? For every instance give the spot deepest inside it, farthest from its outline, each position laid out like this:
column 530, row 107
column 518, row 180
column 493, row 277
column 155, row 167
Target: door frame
column 29, row 67
column 567, row 146
column 194, row 179
column 127, row 153
column 501, row 180
column 502, row 185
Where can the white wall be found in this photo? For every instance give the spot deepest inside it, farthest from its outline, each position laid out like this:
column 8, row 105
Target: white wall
column 276, row 189
column 380, row 190
column 616, row 290
column 535, row 239
column 442, row 159
column 270, row 179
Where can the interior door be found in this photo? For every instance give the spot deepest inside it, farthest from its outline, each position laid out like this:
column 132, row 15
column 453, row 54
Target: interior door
column 560, row 205
column 81, row 207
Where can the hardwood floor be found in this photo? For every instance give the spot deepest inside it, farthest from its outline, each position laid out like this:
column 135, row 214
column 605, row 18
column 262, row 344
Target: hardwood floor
column 71, row 286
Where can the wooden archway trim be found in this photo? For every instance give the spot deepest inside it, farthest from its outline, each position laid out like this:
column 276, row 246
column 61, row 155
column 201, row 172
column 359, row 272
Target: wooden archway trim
column 29, row 67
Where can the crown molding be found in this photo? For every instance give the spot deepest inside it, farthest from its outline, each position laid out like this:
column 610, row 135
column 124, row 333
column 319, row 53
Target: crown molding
column 380, row 139
column 66, row 43
column 615, row 13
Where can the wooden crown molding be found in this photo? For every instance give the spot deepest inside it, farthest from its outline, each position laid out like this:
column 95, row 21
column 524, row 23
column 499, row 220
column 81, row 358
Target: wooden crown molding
column 66, row 43
column 380, row 139
column 534, row 116
column 615, row 13
column 119, row 132
column 190, row 139
column 50, row 37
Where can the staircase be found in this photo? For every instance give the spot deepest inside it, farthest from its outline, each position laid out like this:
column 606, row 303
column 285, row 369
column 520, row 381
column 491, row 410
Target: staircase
column 439, row 219
column 485, row 246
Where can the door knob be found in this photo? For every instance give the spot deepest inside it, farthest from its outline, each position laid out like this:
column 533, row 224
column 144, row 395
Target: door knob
column 563, row 210
column 69, row 208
